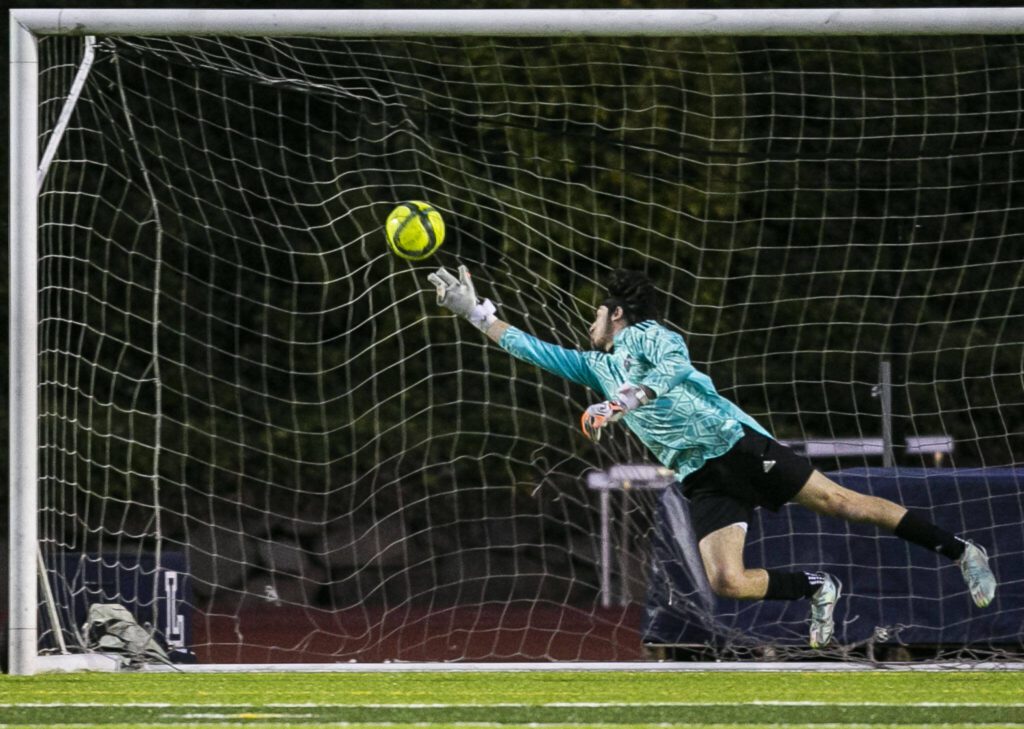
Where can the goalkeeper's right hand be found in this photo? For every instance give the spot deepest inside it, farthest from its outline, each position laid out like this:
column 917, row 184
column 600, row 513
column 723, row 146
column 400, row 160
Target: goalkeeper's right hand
column 459, row 296
column 599, row 416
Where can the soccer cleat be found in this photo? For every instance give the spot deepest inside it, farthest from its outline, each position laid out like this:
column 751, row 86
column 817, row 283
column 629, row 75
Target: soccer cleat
column 823, row 604
column 979, row 578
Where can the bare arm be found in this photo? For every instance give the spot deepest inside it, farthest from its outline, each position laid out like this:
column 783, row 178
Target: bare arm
column 495, row 330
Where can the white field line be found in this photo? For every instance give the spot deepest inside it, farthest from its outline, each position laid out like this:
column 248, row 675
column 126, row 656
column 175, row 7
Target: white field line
column 583, row 667
column 534, row 724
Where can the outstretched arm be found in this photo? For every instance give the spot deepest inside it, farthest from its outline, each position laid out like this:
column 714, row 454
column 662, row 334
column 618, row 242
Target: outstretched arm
column 458, row 295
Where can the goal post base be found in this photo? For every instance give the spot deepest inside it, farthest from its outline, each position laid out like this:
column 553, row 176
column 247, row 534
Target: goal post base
column 584, row 666
column 112, row 663
column 102, row 662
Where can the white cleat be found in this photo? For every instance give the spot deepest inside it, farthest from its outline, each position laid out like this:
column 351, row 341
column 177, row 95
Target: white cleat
column 977, row 574
column 823, row 604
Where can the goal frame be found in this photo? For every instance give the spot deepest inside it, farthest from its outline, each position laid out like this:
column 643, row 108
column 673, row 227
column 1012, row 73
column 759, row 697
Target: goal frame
column 28, row 25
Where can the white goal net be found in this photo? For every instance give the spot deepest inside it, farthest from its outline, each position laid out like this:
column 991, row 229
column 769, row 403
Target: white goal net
column 259, row 432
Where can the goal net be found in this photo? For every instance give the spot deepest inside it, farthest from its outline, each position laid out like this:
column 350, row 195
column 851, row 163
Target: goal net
column 260, row 433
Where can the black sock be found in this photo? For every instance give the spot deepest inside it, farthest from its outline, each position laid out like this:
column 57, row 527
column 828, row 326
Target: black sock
column 790, row 585
column 918, row 530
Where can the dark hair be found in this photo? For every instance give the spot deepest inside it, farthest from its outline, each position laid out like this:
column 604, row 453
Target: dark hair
column 635, row 293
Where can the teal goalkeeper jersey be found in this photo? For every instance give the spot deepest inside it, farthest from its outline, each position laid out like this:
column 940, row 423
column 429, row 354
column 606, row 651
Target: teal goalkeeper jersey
column 686, row 424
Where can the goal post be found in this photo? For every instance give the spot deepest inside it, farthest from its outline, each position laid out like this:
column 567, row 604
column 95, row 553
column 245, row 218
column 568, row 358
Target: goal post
column 23, row 357
column 567, row 298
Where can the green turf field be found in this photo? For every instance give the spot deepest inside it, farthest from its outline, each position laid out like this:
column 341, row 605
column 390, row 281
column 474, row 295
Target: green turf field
column 576, row 699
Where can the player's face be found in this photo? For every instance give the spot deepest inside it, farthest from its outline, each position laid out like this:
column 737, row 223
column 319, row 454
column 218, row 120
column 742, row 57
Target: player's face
column 601, row 333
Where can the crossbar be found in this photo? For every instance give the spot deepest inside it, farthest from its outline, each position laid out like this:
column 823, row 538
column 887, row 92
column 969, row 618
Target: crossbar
column 540, row 22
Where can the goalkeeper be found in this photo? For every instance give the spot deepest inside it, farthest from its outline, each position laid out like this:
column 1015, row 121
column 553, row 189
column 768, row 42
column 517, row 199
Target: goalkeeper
column 726, row 462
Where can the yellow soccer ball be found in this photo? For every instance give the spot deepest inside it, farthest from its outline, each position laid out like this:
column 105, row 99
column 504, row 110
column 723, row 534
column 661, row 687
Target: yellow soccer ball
column 414, row 230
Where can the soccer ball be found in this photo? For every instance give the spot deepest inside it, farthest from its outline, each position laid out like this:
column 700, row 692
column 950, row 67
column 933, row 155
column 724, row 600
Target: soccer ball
column 414, row 230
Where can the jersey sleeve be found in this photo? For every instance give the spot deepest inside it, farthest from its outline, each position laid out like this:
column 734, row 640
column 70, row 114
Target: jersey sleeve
column 669, row 358
column 568, row 363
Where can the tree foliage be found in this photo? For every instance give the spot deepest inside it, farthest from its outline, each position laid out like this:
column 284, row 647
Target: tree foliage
column 240, row 338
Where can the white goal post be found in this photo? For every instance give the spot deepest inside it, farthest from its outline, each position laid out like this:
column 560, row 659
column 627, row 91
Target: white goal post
column 27, row 26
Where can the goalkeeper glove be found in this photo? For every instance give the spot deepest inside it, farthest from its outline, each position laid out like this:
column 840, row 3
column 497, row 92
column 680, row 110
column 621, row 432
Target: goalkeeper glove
column 459, row 296
column 599, row 415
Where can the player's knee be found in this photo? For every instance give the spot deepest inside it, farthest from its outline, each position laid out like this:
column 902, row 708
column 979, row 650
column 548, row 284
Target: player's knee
column 729, row 583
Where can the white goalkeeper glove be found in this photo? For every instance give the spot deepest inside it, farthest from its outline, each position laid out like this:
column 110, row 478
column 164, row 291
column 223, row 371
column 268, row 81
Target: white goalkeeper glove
column 600, row 415
column 459, row 296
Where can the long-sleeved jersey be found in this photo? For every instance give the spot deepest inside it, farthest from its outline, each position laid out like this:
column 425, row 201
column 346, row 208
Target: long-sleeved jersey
column 687, row 422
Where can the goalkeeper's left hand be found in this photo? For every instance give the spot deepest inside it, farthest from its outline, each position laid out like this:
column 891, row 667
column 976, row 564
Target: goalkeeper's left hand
column 602, row 414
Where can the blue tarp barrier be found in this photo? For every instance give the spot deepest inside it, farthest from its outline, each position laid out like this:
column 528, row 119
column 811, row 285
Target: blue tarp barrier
column 918, row 597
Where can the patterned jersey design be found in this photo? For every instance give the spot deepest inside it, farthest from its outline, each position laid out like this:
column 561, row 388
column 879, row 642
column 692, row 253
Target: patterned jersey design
column 686, row 424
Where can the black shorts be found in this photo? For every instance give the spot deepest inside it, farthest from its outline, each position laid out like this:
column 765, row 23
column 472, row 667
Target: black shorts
column 757, row 471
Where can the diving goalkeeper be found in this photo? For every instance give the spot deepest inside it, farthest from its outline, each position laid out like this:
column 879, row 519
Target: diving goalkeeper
column 726, row 462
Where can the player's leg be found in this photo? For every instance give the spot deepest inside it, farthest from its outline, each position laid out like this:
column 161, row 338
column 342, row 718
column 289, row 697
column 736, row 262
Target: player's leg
column 720, row 526
column 722, row 552
column 756, row 471
column 824, row 496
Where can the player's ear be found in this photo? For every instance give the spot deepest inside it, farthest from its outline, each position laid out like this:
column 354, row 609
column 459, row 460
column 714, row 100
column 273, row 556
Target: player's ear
column 617, row 314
